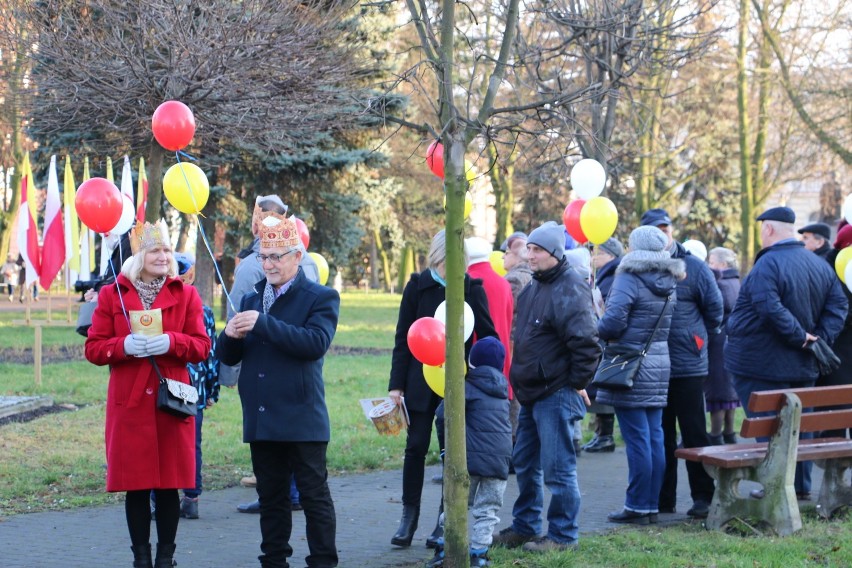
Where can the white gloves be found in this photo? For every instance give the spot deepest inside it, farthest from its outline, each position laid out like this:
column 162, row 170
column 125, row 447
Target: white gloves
column 135, row 344
column 158, row 345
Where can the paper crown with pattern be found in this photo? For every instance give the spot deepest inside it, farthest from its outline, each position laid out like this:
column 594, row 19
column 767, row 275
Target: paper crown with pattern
column 278, row 231
column 271, row 202
column 147, row 235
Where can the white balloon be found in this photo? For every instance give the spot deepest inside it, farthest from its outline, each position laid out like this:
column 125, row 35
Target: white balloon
column 128, row 215
column 848, row 276
column 588, row 178
column 847, row 208
column 441, row 315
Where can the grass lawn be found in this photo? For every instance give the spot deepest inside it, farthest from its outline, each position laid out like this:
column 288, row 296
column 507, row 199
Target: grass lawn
column 57, row 462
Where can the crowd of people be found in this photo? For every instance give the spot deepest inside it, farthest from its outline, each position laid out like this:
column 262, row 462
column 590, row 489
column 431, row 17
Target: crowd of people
column 539, row 332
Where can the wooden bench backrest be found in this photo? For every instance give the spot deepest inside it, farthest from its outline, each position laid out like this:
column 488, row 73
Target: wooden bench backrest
column 815, row 397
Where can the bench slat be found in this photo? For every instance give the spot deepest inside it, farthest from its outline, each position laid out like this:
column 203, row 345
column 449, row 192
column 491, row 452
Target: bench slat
column 765, row 426
column 749, row 455
column 771, row 401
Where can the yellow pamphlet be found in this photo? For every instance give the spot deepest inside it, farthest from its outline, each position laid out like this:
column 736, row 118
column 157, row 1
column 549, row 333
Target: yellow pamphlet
column 147, row 322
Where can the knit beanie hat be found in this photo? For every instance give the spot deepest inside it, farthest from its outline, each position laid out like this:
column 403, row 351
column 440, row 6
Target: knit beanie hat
column 550, row 237
column 612, row 246
column 487, row 352
column 477, row 249
column 648, row 243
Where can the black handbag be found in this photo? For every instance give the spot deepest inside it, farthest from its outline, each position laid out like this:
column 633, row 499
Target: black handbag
column 174, row 397
column 620, row 364
column 827, row 361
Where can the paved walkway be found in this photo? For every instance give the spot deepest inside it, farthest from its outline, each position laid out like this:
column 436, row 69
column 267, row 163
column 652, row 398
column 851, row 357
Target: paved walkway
column 367, row 506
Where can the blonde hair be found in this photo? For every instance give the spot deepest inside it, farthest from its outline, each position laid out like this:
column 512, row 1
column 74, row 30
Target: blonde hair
column 438, row 251
column 132, row 267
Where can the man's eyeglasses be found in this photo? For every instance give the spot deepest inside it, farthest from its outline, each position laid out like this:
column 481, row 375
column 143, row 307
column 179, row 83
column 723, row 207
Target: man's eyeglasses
column 261, row 258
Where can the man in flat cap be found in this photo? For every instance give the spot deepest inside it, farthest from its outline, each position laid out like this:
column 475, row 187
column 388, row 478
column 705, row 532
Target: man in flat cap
column 816, row 237
column 697, row 315
column 790, row 299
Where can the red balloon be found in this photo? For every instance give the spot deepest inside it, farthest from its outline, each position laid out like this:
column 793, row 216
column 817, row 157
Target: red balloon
column 173, row 125
column 98, row 203
column 435, row 158
column 427, row 341
column 304, row 234
column 571, row 218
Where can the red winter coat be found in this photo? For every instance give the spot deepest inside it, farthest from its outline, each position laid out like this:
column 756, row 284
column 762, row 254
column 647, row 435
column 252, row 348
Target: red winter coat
column 147, row 448
column 500, row 305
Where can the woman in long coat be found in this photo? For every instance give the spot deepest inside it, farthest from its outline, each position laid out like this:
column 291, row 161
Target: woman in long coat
column 646, row 278
column 148, row 449
column 421, row 297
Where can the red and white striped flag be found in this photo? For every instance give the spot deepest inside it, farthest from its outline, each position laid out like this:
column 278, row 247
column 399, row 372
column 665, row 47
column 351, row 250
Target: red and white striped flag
column 53, row 249
column 27, row 228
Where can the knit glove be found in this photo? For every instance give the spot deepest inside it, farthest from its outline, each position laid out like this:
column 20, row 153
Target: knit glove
column 135, row 345
column 158, row 345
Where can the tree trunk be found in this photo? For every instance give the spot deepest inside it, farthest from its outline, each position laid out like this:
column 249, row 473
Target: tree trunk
column 155, row 182
column 406, row 267
column 747, row 240
column 501, row 172
column 15, row 71
column 374, row 262
column 383, row 254
column 205, row 272
column 183, row 232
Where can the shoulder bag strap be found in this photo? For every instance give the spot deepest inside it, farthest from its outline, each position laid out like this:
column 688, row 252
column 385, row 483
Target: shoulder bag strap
column 160, row 375
column 656, row 327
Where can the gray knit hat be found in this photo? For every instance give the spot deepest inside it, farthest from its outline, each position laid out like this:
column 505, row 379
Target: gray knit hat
column 550, row 237
column 648, row 242
column 612, row 246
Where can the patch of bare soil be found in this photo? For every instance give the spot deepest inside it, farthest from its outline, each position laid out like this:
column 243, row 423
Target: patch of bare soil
column 29, row 415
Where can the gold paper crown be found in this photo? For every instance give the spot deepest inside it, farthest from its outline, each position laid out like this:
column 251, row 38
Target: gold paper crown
column 147, row 235
column 278, row 231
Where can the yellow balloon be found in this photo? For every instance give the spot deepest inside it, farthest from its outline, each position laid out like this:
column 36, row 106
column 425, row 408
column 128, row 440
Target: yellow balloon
column 322, row 266
column 468, row 204
column 469, row 172
column 435, row 378
column 496, row 259
column 598, row 219
column 185, row 198
column 843, row 258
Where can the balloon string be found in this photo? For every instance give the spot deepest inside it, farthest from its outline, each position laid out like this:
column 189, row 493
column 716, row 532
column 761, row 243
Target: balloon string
column 118, row 289
column 179, row 153
column 203, row 234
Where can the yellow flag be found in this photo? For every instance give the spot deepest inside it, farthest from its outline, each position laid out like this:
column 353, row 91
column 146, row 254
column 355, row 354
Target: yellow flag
column 141, row 192
column 72, row 225
column 109, row 170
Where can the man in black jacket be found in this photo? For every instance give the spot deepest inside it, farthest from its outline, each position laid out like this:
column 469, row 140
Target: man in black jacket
column 556, row 355
column 816, row 237
column 697, row 315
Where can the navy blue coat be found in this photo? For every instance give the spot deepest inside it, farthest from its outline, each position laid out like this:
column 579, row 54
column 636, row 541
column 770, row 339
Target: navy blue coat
column 718, row 387
column 789, row 292
column 633, row 307
column 698, row 314
column 606, row 276
column 421, row 297
column 488, row 431
column 281, row 384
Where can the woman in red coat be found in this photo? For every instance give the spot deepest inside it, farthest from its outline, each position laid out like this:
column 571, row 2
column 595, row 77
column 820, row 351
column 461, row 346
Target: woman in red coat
column 147, row 449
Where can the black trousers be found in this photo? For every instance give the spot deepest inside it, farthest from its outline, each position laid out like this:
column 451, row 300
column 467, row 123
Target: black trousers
column 416, row 448
column 274, row 463
column 685, row 408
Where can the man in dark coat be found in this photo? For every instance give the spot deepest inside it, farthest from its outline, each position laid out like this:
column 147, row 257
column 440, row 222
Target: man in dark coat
column 281, row 335
column 697, row 315
column 556, row 355
column 817, row 237
column 790, row 299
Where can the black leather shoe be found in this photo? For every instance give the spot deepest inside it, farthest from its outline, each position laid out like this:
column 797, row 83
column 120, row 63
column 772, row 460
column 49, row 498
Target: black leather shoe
column 629, row 517
column 407, row 526
column 600, row 444
column 253, row 507
column 699, row 510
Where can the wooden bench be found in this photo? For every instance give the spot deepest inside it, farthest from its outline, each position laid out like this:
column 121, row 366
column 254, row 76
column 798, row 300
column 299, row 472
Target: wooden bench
column 773, row 463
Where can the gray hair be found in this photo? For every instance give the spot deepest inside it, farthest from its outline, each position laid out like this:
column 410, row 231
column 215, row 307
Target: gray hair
column 438, row 250
column 725, row 255
column 132, row 267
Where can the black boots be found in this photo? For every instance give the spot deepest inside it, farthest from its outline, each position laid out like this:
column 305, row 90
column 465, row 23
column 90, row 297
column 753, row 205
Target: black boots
column 603, row 440
column 164, row 559
column 434, row 539
column 407, row 526
column 142, row 556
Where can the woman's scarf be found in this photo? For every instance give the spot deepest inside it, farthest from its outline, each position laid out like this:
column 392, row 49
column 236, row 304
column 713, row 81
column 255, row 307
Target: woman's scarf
column 148, row 290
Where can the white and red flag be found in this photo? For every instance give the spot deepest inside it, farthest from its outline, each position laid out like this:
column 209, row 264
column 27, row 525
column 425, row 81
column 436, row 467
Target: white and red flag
column 27, row 228
column 53, row 249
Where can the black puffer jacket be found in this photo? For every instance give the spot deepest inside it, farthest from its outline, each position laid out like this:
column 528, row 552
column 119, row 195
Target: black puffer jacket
column 634, row 305
column 556, row 340
column 488, row 430
column 698, row 313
